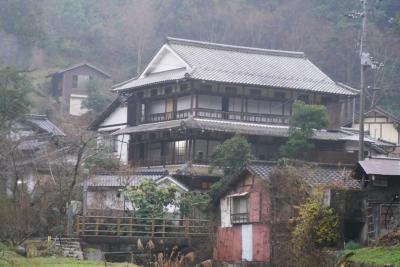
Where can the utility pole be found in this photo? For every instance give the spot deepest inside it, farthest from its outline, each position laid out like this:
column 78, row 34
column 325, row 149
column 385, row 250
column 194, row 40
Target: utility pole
column 364, row 59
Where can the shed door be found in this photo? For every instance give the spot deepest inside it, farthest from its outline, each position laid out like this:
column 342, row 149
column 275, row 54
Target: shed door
column 247, row 242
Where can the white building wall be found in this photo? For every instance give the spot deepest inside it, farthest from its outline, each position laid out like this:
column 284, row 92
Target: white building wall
column 379, row 128
column 75, row 105
column 167, row 61
column 120, row 115
column 119, row 119
column 225, row 212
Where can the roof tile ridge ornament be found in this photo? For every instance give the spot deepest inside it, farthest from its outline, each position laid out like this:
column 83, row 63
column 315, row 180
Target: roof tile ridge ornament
column 244, row 49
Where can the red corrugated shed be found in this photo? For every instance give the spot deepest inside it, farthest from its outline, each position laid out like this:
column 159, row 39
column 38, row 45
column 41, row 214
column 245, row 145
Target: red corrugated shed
column 229, row 244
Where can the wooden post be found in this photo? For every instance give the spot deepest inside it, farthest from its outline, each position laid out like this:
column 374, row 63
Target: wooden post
column 186, row 228
column 152, row 227
column 83, row 225
column 163, row 228
column 118, row 226
column 130, row 226
column 97, row 225
column 77, row 224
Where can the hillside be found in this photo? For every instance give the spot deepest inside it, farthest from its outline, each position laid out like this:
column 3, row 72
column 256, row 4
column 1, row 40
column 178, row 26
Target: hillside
column 121, row 35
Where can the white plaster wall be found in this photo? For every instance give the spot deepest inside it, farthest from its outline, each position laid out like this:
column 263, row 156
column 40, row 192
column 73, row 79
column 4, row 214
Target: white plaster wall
column 75, row 106
column 388, row 133
column 123, row 141
column 167, row 61
column 225, row 212
column 106, row 200
column 120, row 115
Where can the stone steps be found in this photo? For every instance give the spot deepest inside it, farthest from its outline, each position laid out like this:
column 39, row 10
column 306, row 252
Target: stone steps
column 70, row 247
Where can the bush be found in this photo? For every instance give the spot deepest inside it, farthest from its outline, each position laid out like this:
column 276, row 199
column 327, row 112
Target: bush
column 317, row 226
column 351, row 245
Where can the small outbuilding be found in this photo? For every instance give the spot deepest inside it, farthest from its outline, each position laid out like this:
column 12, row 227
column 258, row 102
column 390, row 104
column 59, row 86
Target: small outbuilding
column 247, row 230
column 380, row 179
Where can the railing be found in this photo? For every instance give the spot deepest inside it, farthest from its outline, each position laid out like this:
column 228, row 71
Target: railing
column 141, row 227
column 242, row 116
column 162, row 160
column 167, row 116
column 240, row 218
column 219, row 114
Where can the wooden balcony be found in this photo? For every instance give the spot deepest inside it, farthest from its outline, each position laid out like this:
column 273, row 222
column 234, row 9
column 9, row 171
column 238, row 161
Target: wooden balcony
column 125, row 227
column 167, row 116
column 238, row 218
column 221, row 115
column 167, row 160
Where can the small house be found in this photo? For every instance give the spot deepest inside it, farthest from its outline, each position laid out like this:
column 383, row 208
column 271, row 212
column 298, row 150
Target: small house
column 103, row 193
column 70, row 85
column 380, row 179
column 381, row 124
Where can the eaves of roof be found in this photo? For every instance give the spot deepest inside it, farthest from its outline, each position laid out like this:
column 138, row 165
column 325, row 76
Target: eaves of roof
column 243, row 66
column 107, row 112
column 229, row 127
column 80, row 65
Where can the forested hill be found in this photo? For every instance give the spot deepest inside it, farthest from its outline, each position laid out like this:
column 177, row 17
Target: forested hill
column 122, row 35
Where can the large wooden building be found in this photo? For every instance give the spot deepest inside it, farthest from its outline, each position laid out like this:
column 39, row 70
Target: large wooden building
column 194, row 95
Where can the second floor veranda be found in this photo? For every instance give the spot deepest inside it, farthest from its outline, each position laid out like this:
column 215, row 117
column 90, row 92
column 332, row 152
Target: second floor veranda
column 219, row 114
column 233, row 108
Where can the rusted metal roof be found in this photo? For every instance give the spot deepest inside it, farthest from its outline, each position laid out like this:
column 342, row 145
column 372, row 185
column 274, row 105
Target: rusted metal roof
column 381, row 166
column 244, row 65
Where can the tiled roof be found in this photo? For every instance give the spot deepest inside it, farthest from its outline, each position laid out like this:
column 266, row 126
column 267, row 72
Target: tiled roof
column 79, row 65
column 228, row 126
column 121, row 180
column 43, row 123
column 244, row 65
column 152, row 79
column 107, row 112
column 381, row 166
column 316, row 175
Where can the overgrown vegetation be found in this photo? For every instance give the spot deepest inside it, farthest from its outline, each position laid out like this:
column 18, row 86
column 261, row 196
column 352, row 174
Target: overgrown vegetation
column 383, row 256
column 8, row 258
column 193, row 202
column 317, row 226
column 150, row 200
column 14, row 90
column 305, row 119
column 230, row 156
column 98, row 97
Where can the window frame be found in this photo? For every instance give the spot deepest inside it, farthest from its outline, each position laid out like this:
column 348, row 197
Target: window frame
column 75, row 81
column 239, row 217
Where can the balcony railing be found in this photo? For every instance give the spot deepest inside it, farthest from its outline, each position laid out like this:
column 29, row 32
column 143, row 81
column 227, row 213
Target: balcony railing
column 242, row 116
column 239, row 218
column 167, row 116
column 141, row 227
column 221, row 115
column 162, row 160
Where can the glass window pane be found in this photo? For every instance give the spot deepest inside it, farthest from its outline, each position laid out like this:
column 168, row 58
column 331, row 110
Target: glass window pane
column 183, row 103
column 210, row 102
column 157, row 107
